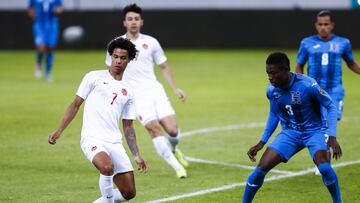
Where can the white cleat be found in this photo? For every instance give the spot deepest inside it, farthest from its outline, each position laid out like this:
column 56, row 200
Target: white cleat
column 49, row 78
column 37, row 72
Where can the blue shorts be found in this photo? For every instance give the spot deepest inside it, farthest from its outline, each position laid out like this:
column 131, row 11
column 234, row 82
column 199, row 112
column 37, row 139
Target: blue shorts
column 289, row 142
column 337, row 94
column 46, row 34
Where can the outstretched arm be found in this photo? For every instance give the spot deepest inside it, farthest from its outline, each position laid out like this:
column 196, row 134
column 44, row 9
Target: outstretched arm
column 69, row 115
column 353, row 66
column 271, row 125
column 130, row 136
column 170, row 78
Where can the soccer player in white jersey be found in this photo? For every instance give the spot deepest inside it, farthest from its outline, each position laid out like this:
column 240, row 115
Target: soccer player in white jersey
column 107, row 98
column 153, row 107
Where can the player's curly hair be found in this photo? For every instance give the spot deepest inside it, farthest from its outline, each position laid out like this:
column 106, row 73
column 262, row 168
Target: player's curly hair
column 279, row 58
column 131, row 8
column 122, row 43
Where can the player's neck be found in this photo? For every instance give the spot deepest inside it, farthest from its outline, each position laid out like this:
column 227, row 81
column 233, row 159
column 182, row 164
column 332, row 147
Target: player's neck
column 326, row 38
column 115, row 75
column 132, row 36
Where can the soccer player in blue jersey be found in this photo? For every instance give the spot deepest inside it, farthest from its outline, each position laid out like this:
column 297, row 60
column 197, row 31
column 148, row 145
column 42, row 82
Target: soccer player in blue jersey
column 44, row 14
column 295, row 101
column 324, row 52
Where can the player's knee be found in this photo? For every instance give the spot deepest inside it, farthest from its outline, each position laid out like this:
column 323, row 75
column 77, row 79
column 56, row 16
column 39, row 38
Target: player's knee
column 130, row 194
column 107, row 169
column 154, row 130
column 173, row 131
column 321, row 157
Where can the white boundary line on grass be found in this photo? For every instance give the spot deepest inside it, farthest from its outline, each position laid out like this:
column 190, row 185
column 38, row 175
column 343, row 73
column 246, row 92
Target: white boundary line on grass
column 223, row 128
column 192, row 159
column 239, row 184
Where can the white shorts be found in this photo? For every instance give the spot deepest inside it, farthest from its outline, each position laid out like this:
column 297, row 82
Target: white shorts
column 116, row 151
column 152, row 104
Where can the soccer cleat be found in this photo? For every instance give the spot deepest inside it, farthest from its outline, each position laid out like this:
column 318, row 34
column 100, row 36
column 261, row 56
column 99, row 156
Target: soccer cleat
column 37, row 72
column 180, row 157
column 181, row 173
column 49, row 78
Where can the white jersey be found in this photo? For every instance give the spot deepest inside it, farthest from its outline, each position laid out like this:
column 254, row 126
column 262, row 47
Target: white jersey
column 140, row 71
column 106, row 100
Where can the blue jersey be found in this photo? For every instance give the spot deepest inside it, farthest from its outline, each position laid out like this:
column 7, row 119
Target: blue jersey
column 298, row 107
column 324, row 59
column 46, row 22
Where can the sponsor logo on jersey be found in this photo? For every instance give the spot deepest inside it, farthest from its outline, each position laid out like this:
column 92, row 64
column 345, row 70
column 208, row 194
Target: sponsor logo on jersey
column 124, row 92
column 93, row 148
column 316, row 46
column 277, row 95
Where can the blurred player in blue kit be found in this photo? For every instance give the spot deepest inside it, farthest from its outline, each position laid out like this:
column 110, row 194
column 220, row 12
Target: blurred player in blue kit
column 44, row 14
column 324, row 52
column 295, row 101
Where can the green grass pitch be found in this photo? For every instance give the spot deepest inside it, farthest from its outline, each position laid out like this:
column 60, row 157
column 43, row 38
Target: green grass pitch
column 224, row 88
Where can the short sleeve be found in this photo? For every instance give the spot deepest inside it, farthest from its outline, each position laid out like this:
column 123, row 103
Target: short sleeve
column 320, row 94
column 347, row 54
column 158, row 53
column 129, row 109
column 302, row 53
column 86, row 86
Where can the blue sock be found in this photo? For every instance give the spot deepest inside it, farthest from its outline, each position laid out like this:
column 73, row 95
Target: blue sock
column 331, row 181
column 49, row 63
column 253, row 184
column 39, row 57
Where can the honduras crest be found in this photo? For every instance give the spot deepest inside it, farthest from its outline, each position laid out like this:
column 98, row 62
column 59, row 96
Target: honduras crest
column 295, row 97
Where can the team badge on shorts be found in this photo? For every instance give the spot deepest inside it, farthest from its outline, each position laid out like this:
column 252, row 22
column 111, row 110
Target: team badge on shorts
column 93, row 148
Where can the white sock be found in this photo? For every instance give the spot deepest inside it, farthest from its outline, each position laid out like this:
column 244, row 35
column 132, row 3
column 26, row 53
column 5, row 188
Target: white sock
column 118, row 196
column 106, row 188
column 174, row 140
column 163, row 149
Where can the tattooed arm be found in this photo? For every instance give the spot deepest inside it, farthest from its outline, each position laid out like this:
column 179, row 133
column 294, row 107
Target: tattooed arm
column 130, row 136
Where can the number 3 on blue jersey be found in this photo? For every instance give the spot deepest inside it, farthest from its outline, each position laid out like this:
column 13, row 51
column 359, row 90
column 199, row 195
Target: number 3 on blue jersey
column 289, row 110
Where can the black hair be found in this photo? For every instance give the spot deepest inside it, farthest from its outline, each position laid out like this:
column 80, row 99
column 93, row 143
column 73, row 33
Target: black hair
column 131, row 8
column 122, row 43
column 325, row 13
column 280, row 59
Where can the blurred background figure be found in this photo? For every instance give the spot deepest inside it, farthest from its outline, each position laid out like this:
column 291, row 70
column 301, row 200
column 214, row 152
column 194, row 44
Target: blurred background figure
column 44, row 14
